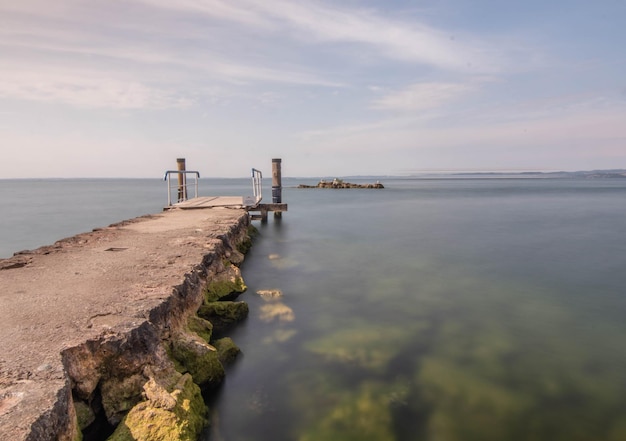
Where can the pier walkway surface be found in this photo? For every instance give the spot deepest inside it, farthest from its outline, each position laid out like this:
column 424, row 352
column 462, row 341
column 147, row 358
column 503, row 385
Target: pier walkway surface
column 82, row 287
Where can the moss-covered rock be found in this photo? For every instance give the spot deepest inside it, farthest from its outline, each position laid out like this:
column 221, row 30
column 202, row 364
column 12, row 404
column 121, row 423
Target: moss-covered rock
column 244, row 245
column 224, row 314
column 84, row 414
column 119, row 395
column 176, row 415
column 198, row 358
column 200, row 326
column 227, row 283
column 227, row 350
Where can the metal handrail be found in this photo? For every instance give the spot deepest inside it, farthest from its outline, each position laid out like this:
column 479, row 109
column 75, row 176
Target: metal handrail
column 257, row 187
column 182, row 189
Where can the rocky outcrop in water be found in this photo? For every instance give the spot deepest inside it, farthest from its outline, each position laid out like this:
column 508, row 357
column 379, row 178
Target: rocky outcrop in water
column 338, row 183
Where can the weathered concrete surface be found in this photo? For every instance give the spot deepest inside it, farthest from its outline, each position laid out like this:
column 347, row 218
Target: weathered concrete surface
column 88, row 287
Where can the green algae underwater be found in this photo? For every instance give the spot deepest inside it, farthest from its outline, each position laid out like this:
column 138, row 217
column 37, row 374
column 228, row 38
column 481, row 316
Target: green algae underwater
column 435, row 310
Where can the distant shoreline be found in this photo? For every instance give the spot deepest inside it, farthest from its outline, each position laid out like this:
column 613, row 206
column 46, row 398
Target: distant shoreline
column 602, row 174
column 590, row 174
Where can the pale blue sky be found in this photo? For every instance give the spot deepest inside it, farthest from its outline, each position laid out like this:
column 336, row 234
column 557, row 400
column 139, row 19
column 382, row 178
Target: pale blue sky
column 121, row 88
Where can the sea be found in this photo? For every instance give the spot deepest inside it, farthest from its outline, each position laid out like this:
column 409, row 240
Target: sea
column 442, row 308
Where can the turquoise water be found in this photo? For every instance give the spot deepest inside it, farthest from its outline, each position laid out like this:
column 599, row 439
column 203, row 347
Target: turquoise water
column 446, row 309
column 435, row 310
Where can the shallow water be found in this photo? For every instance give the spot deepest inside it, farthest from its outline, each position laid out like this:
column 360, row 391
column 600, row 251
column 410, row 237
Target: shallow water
column 435, row 310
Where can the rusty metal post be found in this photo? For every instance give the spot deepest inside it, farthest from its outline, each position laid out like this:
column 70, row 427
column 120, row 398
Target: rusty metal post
column 182, row 180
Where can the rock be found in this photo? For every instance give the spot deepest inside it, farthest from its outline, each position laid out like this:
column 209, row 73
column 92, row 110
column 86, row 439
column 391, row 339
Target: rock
column 201, row 327
column 236, row 257
column 109, row 363
column 277, row 312
column 226, row 284
column 18, row 261
column 176, row 415
column 119, row 395
column 245, row 243
column 158, row 396
column 338, row 183
column 270, row 294
column 280, row 335
column 84, row 414
column 227, row 350
column 223, row 315
column 199, row 359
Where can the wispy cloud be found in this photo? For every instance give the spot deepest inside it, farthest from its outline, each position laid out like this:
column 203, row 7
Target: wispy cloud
column 316, row 22
column 87, row 89
column 421, row 96
column 129, row 62
column 412, row 42
column 71, row 73
column 242, row 11
column 90, row 67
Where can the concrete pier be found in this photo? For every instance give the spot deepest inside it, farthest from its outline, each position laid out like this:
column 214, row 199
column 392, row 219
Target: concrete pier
column 95, row 287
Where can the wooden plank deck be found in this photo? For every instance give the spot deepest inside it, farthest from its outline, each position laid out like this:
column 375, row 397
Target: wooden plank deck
column 210, row 202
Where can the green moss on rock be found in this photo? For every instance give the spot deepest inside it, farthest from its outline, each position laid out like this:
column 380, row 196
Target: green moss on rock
column 200, row 326
column 84, row 414
column 224, row 314
column 199, row 359
column 227, row 350
column 244, row 246
column 224, row 284
column 252, row 231
column 120, row 395
column 177, row 415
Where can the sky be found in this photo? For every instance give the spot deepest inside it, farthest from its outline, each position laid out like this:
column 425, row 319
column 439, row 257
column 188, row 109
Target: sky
column 121, row 88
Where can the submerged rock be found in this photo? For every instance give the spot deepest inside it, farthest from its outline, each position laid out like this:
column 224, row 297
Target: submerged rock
column 366, row 413
column 270, row 294
column 280, row 335
column 277, row 312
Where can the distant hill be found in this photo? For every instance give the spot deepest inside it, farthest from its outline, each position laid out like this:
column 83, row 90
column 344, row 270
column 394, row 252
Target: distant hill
column 617, row 173
column 588, row 174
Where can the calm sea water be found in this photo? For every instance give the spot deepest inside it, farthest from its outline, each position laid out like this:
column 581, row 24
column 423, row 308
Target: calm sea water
column 448, row 309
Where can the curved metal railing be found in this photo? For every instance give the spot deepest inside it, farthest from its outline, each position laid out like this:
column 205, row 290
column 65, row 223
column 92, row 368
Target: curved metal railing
column 181, row 184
